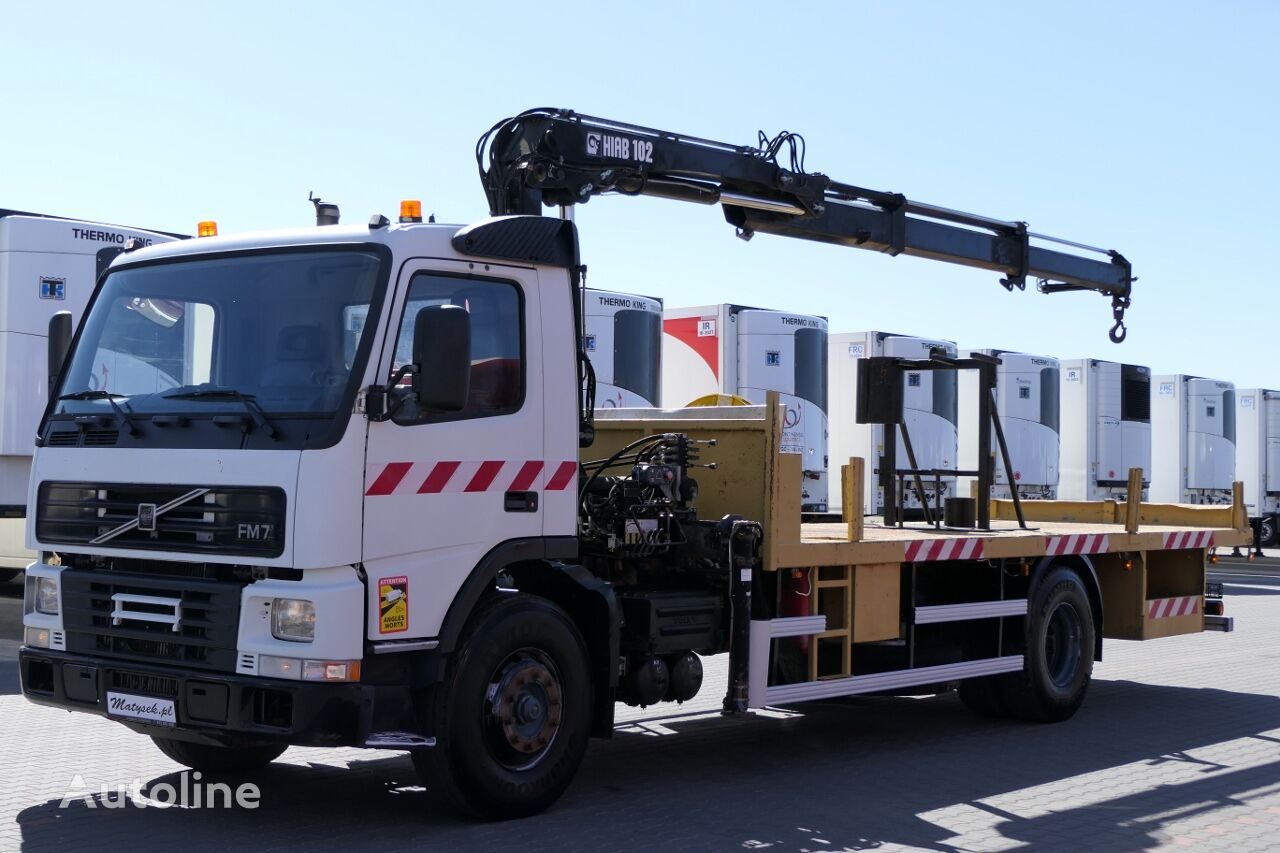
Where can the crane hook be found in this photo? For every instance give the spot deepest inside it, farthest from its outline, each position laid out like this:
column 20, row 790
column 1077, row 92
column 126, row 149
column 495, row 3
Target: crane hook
column 1118, row 331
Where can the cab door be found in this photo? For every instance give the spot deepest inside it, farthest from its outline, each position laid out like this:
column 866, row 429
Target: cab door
column 442, row 489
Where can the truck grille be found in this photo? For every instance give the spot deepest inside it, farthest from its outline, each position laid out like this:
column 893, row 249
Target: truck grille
column 207, row 618
column 230, row 520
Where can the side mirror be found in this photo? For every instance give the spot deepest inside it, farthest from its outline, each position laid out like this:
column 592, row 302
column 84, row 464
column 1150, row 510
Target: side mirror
column 442, row 352
column 59, row 344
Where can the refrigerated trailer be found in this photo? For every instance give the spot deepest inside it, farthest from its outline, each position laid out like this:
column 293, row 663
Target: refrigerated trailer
column 1105, row 428
column 929, row 414
column 623, row 338
column 1258, row 460
column 48, row 265
column 1027, row 403
column 1193, row 439
column 737, row 351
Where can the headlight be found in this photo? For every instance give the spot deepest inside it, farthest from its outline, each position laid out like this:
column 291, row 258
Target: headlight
column 45, row 596
column 293, row 619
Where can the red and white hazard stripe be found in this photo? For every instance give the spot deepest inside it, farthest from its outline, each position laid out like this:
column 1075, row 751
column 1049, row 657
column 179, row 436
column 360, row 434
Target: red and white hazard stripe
column 943, row 549
column 459, row 477
column 1080, row 543
column 1163, row 608
column 1189, row 539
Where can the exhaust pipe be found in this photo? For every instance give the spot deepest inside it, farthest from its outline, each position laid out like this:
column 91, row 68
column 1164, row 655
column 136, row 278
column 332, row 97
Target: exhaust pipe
column 326, row 211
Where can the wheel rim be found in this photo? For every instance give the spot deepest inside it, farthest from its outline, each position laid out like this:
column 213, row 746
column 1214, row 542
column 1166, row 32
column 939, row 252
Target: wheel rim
column 523, row 709
column 1268, row 531
column 1062, row 643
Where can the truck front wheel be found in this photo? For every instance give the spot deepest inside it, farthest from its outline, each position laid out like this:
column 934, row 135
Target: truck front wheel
column 511, row 719
column 1059, row 654
column 209, row 758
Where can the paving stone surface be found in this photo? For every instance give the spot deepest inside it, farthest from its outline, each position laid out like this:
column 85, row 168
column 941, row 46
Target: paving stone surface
column 1177, row 748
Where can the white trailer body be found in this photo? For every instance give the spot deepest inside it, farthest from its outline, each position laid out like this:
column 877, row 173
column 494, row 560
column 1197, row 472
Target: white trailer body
column 47, row 265
column 747, row 352
column 1193, row 439
column 1106, row 429
column 624, row 342
column 1258, row 459
column 1027, row 399
column 928, row 412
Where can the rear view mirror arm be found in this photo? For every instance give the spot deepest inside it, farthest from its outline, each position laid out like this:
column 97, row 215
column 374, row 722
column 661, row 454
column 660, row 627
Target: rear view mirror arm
column 377, row 396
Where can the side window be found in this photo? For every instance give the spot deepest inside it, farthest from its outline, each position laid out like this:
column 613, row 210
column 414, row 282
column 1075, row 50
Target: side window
column 497, row 343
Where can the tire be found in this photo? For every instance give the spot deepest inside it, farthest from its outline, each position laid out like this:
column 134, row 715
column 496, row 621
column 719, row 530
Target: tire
column 512, row 718
column 7, row 575
column 209, row 758
column 983, row 696
column 1267, row 529
column 1059, row 653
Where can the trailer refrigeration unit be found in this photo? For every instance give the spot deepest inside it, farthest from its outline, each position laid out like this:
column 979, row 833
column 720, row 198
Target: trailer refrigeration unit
column 624, row 342
column 1027, row 402
column 48, row 265
column 1105, row 429
column 928, row 408
column 1193, row 440
column 1258, row 460
column 359, row 497
column 736, row 351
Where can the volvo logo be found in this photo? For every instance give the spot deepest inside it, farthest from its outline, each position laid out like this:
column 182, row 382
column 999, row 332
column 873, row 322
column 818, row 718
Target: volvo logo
column 147, row 515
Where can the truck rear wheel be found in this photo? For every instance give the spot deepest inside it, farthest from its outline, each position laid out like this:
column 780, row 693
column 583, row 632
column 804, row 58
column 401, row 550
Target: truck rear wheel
column 1059, row 653
column 209, row 758
column 512, row 718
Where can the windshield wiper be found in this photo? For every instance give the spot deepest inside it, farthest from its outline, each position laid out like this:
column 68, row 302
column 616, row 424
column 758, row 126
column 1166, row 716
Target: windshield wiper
column 249, row 401
column 110, row 398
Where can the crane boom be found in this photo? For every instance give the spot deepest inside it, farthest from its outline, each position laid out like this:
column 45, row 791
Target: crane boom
column 560, row 158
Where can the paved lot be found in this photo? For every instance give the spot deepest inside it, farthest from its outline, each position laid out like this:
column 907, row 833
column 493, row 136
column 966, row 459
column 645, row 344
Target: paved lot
column 1177, row 747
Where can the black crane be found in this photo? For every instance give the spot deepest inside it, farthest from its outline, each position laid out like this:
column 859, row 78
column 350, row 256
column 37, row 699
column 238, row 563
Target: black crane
column 560, row 158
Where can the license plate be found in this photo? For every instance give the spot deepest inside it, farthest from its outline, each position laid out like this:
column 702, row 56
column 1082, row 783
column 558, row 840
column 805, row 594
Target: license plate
column 147, row 708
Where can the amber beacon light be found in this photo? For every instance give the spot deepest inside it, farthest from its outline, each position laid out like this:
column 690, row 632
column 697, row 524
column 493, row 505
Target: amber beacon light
column 411, row 210
column 207, row 228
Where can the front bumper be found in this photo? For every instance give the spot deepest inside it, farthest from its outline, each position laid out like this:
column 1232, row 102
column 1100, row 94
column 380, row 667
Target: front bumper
column 224, row 708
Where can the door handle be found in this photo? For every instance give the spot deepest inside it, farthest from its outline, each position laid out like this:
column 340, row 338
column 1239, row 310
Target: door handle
column 520, row 501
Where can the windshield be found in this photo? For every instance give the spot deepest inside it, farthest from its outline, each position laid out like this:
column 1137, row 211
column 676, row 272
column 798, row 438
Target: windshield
column 283, row 328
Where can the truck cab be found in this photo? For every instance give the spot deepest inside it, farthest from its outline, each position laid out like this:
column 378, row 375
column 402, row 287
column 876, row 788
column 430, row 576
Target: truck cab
column 267, row 498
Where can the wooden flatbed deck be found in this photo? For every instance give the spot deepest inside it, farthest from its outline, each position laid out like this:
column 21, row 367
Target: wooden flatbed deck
column 826, row 544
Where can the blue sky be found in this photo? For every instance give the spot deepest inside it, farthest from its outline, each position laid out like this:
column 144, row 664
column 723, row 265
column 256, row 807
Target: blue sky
column 1147, row 127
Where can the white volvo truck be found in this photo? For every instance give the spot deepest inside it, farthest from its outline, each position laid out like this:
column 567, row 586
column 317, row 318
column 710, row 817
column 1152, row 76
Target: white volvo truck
column 624, row 342
column 1105, row 428
column 1027, row 402
column 1258, row 460
column 1193, row 439
column 928, row 409
column 353, row 494
column 736, row 351
column 48, row 265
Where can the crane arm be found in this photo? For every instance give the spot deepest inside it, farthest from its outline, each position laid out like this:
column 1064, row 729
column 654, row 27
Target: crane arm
column 559, row 158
